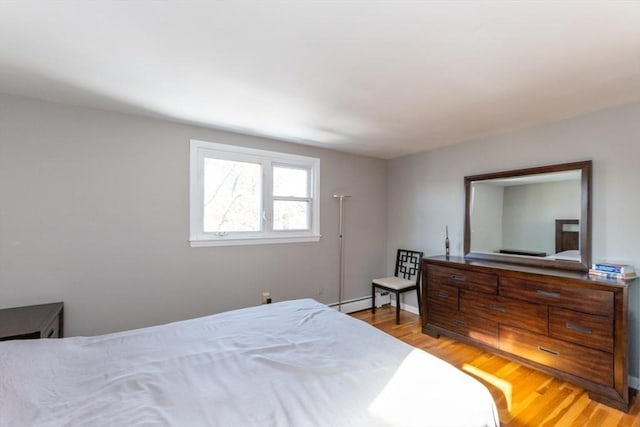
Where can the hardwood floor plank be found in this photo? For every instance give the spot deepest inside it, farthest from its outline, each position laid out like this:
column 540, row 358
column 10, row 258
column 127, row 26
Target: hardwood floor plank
column 524, row 396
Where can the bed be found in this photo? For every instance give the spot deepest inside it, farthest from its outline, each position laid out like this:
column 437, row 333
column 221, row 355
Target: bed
column 294, row 363
column 567, row 240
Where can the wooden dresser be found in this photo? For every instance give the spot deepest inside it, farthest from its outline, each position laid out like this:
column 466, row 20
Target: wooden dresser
column 561, row 322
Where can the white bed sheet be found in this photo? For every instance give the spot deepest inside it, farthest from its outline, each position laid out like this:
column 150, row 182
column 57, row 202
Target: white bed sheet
column 295, row 363
column 570, row 255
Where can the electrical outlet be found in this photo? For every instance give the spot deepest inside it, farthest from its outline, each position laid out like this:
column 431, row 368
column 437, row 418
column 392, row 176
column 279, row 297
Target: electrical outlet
column 266, row 297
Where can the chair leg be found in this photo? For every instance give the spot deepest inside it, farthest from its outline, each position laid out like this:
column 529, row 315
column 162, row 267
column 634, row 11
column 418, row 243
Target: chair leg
column 373, row 298
column 419, row 300
column 397, row 308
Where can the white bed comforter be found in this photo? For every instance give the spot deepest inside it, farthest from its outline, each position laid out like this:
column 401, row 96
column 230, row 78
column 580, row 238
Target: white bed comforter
column 295, row 363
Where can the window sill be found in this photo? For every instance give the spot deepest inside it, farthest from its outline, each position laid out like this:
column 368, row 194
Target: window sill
column 201, row 243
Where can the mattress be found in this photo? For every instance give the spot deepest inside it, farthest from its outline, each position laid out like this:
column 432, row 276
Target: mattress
column 295, row 363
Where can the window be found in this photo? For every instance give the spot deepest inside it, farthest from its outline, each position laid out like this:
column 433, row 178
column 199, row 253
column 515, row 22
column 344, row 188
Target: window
column 244, row 196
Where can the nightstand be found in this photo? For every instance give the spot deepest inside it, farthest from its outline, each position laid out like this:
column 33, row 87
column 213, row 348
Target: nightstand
column 34, row 321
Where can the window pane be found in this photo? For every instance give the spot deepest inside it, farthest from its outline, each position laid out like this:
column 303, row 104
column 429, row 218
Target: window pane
column 232, row 196
column 288, row 215
column 290, row 182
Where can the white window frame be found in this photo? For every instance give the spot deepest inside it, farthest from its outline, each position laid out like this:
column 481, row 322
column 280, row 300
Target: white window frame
column 199, row 150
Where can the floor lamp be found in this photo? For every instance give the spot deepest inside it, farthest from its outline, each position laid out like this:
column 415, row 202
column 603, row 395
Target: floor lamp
column 341, row 237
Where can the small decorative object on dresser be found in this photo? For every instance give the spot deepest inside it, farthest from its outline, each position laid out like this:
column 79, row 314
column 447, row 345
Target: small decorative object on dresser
column 568, row 324
column 446, row 240
column 34, row 321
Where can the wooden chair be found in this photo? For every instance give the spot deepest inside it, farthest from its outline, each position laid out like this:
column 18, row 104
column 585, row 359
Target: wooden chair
column 406, row 278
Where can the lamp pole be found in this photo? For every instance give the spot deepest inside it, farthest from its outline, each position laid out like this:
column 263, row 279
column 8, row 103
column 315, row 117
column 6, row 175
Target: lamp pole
column 341, row 197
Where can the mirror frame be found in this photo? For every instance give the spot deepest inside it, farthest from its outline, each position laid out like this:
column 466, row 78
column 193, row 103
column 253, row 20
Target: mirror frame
column 585, row 217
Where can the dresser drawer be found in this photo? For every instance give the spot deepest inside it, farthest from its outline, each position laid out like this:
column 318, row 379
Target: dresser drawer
column 575, row 298
column 580, row 328
column 506, row 311
column 587, row 363
column 471, row 280
column 443, row 294
column 481, row 330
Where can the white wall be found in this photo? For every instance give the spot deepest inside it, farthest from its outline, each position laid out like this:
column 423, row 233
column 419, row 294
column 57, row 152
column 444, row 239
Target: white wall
column 94, row 212
column 426, row 191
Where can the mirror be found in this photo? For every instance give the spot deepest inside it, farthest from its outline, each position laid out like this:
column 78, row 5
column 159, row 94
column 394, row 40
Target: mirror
column 537, row 216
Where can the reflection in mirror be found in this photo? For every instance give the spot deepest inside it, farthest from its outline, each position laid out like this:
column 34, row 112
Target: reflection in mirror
column 517, row 215
column 535, row 216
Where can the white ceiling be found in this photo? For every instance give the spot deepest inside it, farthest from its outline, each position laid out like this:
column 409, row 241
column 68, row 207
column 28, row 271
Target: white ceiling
column 380, row 78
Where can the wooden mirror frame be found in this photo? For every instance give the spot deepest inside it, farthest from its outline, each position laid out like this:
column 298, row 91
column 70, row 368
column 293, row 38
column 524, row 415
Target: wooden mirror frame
column 585, row 217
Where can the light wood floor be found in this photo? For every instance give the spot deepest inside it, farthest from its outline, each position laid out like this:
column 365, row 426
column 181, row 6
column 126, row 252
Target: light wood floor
column 525, row 397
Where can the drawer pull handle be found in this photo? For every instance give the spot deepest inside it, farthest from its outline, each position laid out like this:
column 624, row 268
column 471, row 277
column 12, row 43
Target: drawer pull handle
column 548, row 351
column 459, row 323
column 442, row 294
column 548, row 294
column 579, row 328
column 457, row 277
column 498, row 308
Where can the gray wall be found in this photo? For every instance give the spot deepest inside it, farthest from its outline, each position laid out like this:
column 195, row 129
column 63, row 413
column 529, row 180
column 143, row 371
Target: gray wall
column 426, row 191
column 486, row 217
column 94, row 212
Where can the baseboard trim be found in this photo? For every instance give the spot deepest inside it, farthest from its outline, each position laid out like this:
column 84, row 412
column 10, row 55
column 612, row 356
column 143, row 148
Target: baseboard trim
column 363, row 303
column 634, row 382
column 353, row 305
column 406, row 307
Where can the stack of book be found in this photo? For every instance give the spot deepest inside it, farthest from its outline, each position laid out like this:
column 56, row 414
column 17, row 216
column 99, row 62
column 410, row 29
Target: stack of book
column 613, row 271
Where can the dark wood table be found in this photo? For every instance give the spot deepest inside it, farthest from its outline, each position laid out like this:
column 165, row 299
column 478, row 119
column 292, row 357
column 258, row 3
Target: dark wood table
column 32, row 322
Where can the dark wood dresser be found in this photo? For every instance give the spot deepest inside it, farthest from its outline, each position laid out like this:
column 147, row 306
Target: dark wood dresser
column 33, row 321
column 565, row 323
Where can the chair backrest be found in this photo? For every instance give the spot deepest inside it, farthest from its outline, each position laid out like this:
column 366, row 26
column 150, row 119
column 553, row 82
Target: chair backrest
column 408, row 264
